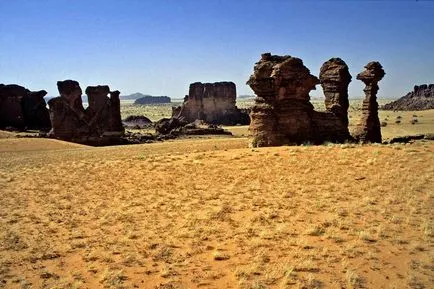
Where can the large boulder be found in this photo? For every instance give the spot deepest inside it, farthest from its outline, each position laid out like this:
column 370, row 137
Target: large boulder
column 137, row 121
column 166, row 125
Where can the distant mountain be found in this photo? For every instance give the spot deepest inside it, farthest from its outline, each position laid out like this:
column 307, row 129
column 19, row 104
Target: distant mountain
column 133, row 96
column 148, row 99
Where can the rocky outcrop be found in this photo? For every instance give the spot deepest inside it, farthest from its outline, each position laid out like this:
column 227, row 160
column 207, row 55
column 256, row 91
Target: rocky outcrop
column 213, row 103
column 335, row 78
column 282, row 113
column 170, row 128
column 21, row 108
column 149, row 99
column 369, row 129
column 99, row 124
column 421, row 98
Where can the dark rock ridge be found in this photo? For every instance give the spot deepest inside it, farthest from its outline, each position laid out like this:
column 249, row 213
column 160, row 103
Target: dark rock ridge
column 421, row 98
column 369, row 128
column 282, row 113
column 148, row 99
column 213, row 103
column 408, row 138
column 99, row 124
column 169, row 128
column 21, row 108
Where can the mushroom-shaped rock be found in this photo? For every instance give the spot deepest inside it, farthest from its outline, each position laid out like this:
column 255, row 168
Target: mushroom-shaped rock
column 369, row 129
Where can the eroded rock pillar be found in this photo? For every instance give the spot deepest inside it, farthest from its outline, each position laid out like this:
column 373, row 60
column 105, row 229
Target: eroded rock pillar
column 115, row 113
column 335, row 78
column 369, row 129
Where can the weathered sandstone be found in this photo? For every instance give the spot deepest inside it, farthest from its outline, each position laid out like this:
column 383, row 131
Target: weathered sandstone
column 99, row 124
column 213, row 103
column 283, row 114
column 369, row 129
column 335, row 78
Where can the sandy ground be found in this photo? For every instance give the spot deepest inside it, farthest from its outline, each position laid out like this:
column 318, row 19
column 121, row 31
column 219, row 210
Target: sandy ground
column 215, row 214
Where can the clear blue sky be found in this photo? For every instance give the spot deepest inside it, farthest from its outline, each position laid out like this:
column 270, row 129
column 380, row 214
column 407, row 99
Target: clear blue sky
column 160, row 47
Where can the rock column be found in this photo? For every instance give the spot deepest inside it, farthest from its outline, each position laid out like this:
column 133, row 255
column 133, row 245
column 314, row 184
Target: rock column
column 369, row 129
column 335, row 78
column 115, row 113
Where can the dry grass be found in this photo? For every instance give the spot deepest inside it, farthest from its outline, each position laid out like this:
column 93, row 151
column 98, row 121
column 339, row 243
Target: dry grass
column 154, row 112
column 214, row 214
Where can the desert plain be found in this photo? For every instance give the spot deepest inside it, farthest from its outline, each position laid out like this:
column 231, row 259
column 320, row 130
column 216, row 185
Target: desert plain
column 212, row 213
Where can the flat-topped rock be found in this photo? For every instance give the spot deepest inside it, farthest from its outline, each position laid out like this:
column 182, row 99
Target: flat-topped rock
column 213, row 103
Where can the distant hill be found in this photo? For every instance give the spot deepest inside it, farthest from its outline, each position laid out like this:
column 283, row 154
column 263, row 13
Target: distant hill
column 421, row 98
column 149, row 99
column 133, row 96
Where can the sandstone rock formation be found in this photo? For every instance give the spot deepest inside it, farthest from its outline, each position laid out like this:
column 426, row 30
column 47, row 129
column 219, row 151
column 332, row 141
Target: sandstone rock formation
column 115, row 123
column 99, row 124
column 421, row 98
column 213, row 103
column 283, row 114
column 369, row 129
column 21, row 108
column 335, row 78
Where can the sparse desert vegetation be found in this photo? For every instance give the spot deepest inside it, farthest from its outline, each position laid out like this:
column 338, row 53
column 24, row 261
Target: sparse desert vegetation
column 211, row 213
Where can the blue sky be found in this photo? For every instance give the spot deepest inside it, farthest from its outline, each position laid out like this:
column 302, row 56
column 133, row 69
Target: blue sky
column 160, row 47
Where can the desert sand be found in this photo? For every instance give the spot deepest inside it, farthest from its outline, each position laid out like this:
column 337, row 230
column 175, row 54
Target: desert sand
column 211, row 213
